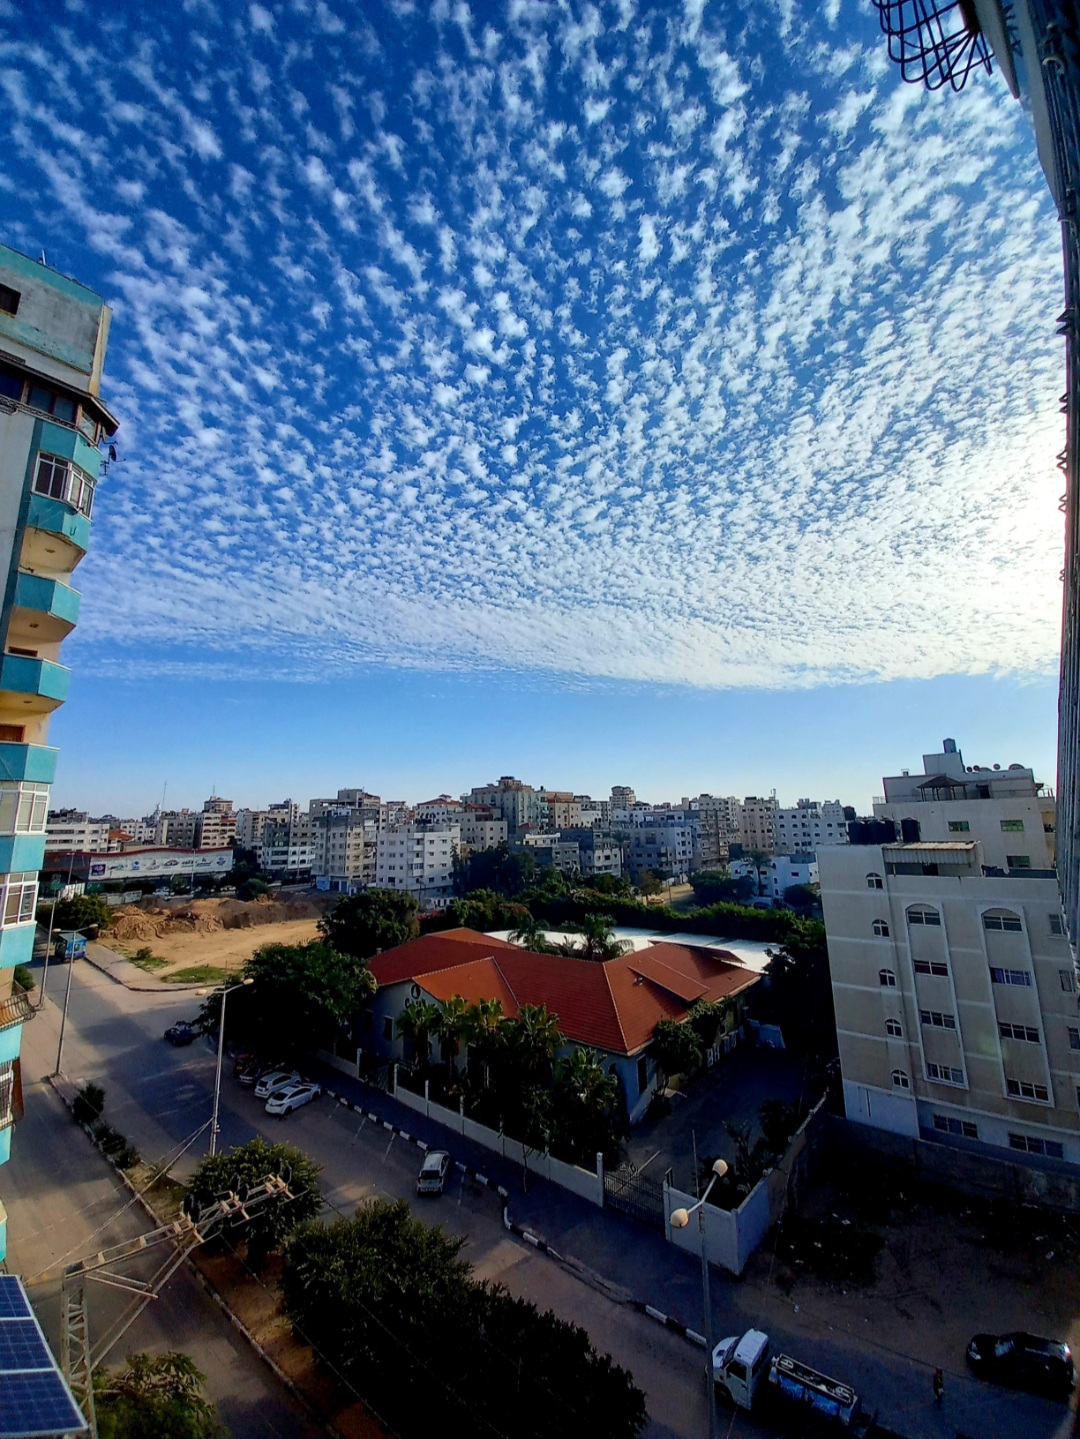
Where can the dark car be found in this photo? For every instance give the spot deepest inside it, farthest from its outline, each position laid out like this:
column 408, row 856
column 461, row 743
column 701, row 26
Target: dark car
column 1024, row 1361
column 181, row 1034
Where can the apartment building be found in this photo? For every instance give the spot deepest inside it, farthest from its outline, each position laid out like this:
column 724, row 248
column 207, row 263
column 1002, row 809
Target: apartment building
column 443, row 810
column 53, row 334
column 179, row 828
column 288, row 848
column 804, row 829
column 622, row 796
column 73, row 829
column 718, row 826
column 481, row 828
column 344, row 850
column 216, row 828
column 559, row 809
column 418, row 858
column 757, row 824
column 597, row 852
column 593, row 811
column 953, row 981
column 515, row 802
column 666, row 850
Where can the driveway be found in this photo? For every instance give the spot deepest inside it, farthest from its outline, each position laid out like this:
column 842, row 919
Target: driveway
column 732, row 1092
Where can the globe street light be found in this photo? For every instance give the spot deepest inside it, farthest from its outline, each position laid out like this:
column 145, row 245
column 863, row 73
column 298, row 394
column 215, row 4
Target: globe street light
column 220, row 1050
column 679, row 1220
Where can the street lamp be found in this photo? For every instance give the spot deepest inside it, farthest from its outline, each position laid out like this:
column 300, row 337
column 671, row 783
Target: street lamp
column 220, row 1051
column 679, row 1220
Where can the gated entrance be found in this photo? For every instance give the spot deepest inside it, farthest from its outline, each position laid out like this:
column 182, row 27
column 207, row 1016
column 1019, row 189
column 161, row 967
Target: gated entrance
column 628, row 1192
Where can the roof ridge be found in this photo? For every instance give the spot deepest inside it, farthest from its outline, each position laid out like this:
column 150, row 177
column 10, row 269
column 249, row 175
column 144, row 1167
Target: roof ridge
column 505, row 979
column 615, row 1007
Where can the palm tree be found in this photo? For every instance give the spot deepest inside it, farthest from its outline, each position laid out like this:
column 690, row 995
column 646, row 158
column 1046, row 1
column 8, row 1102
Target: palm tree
column 600, row 942
column 535, row 1038
column 416, row 1023
column 453, row 1025
column 529, row 933
column 586, row 1096
column 481, row 1032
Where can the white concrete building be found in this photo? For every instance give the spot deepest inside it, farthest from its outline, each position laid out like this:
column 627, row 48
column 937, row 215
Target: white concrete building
column 953, row 981
column 345, row 851
column 480, row 830
column 418, row 858
column 72, row 829
column 757, row 823
column 809, row 825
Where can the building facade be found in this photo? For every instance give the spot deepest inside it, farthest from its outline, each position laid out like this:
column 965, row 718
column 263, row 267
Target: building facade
column 953, row 981
column 418, row 858
column 515, row 802
column 53, row 334
column 809, row 825
column 757, row 824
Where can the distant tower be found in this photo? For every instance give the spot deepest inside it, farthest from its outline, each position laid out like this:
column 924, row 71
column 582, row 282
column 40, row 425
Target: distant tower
column 52, row 348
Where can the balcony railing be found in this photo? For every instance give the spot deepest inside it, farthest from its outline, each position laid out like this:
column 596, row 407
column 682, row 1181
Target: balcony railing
column 16, row 1009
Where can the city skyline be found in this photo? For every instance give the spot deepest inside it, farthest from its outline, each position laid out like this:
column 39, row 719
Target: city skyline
column 574, row 354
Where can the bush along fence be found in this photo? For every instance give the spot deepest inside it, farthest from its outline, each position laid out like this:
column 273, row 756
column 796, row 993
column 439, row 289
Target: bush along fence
column 86, row 1109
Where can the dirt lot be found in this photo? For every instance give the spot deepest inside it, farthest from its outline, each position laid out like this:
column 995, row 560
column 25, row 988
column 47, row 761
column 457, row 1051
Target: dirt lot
column 216, row 933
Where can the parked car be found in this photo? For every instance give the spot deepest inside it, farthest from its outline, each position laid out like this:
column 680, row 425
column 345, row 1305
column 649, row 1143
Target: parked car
column 254, row 1069
column 1024, row 1361
column 181, row 1034
column 275, row 1079
column 242, row 1059
column 432, row 1176
column 281, row 1101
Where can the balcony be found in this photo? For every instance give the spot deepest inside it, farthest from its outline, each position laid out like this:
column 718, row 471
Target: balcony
column 31, row 685
column 16, row 1009
column 45, row 609
column 35, row 762
column 57, row 518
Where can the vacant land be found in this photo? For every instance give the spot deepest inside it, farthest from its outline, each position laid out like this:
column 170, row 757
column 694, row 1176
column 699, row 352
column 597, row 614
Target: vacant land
column 212, row 937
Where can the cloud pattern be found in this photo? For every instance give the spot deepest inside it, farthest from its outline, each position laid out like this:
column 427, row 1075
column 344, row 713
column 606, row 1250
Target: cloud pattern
column 615, row 341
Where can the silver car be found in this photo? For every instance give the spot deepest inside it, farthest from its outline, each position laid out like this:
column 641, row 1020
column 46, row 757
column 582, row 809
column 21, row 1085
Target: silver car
column 276, row 1079
column 433, row 1171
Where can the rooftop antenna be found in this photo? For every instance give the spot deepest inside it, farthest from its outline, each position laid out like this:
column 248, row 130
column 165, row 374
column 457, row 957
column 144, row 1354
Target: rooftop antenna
column 43, row 259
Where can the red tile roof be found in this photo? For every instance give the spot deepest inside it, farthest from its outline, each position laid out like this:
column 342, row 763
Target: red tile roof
column 613, row 1006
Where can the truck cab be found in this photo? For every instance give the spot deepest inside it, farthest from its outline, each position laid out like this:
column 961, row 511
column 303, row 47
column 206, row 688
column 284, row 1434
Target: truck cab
column 69, row 944
column 740, row 1365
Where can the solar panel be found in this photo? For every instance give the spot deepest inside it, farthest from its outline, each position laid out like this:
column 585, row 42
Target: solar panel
column 35, row 1401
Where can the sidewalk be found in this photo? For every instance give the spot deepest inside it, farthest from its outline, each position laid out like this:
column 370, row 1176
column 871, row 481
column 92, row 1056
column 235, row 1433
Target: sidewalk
column 122, row 971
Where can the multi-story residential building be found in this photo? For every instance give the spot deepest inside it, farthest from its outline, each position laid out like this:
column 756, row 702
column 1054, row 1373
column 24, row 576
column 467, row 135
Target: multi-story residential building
column 53, row 334
column 443, row 810
column 418, row 858
column 288, row 848
column 665, row 850
column 216, row 828
column 598, row 852
column 622, row 796
column 804, row 829
column 593, row 811
column 345, row 849
column 71, row 829
column 517, row 803
column 481, row 828
column 559, row 809
column 1034, row 45
column 757, row 824
column 953, row 982
column 179, row 828
column 718, row 824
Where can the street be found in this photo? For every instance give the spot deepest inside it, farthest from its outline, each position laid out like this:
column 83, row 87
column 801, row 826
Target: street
column 159, row 1096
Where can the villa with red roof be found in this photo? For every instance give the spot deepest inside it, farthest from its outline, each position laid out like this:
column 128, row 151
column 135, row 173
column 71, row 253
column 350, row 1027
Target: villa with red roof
column 610, row 1007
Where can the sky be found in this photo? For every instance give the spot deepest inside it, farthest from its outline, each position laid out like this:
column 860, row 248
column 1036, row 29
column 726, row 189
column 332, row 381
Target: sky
column 603, row 393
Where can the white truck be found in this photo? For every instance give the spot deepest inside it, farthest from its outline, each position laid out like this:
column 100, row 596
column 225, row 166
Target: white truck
column 746, row 1372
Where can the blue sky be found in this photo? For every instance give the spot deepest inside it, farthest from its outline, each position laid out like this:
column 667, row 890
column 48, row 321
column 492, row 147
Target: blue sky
column 621, row 392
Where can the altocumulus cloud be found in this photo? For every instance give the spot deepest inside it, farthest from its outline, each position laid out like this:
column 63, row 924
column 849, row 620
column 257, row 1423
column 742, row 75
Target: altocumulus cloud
column 621, row 341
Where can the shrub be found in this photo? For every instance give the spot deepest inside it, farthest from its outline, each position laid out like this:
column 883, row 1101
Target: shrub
column 23, row 976
column 89, row 1102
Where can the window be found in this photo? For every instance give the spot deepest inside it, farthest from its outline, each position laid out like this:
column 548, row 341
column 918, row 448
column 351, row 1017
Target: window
column 1012, row 826
column 1056, row 926
column 1018, row 861
column 936, row 1020
column 900, row 1079
column 1019, row 1031
column 61, row 480
column 18, row 894
column 944, row 1073
column 1030, row 1144
column 1074, row 1037
column 959, row 826
column 23, row 808
column 923, row 914
column 894, row 1028
column 1067, row 980
column 886, row 978
column 9, row 300
column 7, row 1093
column 947, row 1124
column 11, row 384
column 881, row 928
column 1018, row 977
column 931, row 966
column 387, row 1028
column 1002, row 919
column 40, row 397
column 1025, row 1089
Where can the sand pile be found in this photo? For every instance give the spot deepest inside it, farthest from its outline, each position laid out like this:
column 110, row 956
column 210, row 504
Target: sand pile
column 150, row 921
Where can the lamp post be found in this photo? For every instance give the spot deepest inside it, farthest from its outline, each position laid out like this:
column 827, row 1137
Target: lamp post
column 220, row 1051
column 679, row 1220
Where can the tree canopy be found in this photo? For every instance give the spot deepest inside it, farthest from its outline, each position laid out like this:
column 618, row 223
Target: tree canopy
column 153, row 1397
column 393, row 1307
column 375, row 919
column 676, row 1048
column 271, row 1223
column 81, row 911
column 717, row 886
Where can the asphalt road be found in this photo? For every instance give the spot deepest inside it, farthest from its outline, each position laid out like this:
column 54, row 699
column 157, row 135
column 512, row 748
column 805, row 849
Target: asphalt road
column 159, row 1096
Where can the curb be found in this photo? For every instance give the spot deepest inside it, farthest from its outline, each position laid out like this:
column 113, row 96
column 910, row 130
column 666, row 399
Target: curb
column 669, row 1322
column 60, row 1083
column 466, row 1169
column 159, row 988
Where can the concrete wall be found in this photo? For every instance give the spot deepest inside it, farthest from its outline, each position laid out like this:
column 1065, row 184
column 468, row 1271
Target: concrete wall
column 579, row 1181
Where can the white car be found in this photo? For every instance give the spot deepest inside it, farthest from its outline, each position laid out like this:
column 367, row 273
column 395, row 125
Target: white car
column 432, row 1176
column 276, row 1079
column 292, row 1097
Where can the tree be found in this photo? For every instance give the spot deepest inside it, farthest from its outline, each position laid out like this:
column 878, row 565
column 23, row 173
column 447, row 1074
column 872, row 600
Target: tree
column 760, row 860
column 533, row 1040
column 600, row 942
column 82, row 912
column 275, row 1220
column 375, row 919
column 453, row 1027
column 649, row 883
column 484, row 910
column 530, row 934
column 719, row 886
column 153, row 1397
column 800, row 896
column 798, row 996
column 585, row 1115
column 416, row 1023
column 611, row 884
column 252, row 888
column 676, row 1048
column 300, row 997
